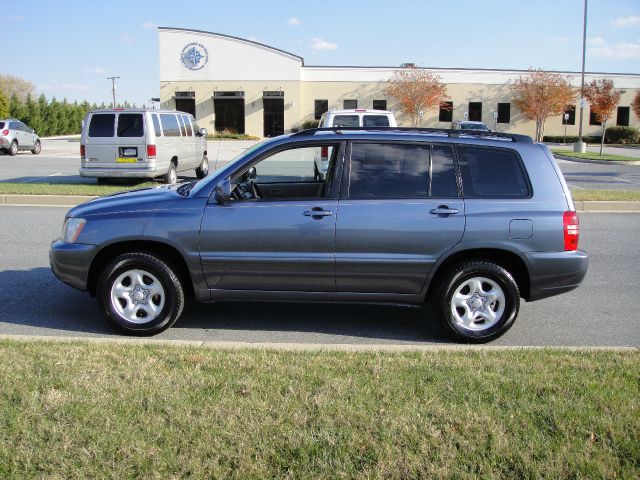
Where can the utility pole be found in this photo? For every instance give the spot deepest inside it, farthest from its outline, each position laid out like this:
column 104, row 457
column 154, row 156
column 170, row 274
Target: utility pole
column 580, row 146
column 113, row 88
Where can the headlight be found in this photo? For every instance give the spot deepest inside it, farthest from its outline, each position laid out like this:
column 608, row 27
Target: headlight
column 72, row 228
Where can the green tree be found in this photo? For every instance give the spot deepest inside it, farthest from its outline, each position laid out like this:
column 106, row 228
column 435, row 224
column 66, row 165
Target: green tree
column 43, row 108
column 17, row 108
column 33, row 117
column 4, row 106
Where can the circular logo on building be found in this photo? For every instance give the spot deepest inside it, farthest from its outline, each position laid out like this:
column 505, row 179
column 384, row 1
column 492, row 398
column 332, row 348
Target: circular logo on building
column 194, row 56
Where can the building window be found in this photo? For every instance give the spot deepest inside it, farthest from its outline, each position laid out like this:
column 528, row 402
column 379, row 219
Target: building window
column 446, row 112
column 350, row 104
column 571, row 111
column 623, row 117
column 475, row 111
column 379, row 104
column 319, row 108
column 593, row 118
column 504, row 113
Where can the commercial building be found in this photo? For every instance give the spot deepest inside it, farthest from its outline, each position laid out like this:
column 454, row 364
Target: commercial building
column 234, row 84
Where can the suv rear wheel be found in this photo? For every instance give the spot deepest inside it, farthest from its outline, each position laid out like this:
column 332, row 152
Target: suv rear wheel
column 140, row 294
column 477, row 302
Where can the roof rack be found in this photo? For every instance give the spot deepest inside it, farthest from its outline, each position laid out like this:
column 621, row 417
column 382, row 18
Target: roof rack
column 514, row 137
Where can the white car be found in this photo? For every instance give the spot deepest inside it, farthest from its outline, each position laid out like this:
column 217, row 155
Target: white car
column 142, row 143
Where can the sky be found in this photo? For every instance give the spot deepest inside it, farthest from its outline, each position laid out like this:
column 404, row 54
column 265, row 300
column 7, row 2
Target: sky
column 67, row 49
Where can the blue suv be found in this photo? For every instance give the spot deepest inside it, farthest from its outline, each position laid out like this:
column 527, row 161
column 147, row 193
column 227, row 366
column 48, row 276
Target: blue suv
column 470, row 222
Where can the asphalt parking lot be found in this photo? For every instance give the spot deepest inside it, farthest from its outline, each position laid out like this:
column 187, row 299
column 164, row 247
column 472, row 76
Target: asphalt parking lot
column 60, row 160
column 602, row 312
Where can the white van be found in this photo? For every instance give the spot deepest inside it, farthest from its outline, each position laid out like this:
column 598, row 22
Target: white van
column 142, row 143
column 357, row 117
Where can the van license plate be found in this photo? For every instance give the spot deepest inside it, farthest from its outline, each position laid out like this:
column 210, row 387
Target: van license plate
column 126, row 160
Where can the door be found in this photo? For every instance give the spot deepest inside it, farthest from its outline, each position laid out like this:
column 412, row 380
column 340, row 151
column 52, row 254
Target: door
column 187, row 105
column 400, row 210
column 273, row 116
column 28, row 138
column 187, row 154
column 229, row 114
column 130, row 143
column 280, row 238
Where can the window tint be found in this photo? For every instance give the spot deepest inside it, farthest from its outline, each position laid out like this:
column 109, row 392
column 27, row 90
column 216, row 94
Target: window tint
column 401, row 171
column 319, row 107
column 379, row 104
column 623, row 117
column 170, row 126
column 504, row 113
column 346, row 121
column 375, row 121
column 156, row 125
column 183, row 129
column 475, row 111
column 594, row 118
column 187, row 125
column 130, row 125
column 1, row 124
column 348, row 104
column 446, row 112
column 13, row 126
column 295, row 165
column 102, row 125
column 491, row 173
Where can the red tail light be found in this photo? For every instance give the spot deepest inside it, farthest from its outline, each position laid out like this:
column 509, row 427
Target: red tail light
column 151, row 151
column 82, row 152
column 324, row 153
column 571, row 230
column 5, row 133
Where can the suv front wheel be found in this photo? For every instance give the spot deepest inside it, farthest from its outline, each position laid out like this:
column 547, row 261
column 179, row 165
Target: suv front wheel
column 477, row 302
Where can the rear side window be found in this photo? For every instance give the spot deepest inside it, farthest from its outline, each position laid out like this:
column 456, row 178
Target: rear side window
column 401, row 171
column 102, row 125
column 375, row 121
column 156, row 125
column 187, row 124
column 492, row 173
column 1, row 124
column 170, row 127
column 346, row 121
column 130, row 125
column 183, row 129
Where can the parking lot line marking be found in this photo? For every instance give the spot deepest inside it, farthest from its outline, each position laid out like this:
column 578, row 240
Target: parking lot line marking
column 576, row 186
column 55, row 174
column 628, row 181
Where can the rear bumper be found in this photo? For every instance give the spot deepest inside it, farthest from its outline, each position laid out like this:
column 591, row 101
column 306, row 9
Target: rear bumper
column 150, row 172
column 70, row 262
column 555, row 273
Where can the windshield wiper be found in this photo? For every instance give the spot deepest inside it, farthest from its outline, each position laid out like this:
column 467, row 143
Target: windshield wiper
column 184, row 190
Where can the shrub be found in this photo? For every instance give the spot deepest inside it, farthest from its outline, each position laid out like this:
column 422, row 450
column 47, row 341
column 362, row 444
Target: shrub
column 308, row 124
column 622, row 135
column 570, row 138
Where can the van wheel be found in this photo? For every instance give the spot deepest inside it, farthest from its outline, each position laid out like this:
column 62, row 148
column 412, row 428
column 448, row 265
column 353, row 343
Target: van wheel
column 171, row 177
column 37, row 148
column 13, row 149
column 140, row 294
column 477, row 302
column 203, row 170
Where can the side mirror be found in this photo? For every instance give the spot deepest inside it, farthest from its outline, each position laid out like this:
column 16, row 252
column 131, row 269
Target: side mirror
column 252, row 173
column 222, row 192
column 33, row 131
column 203, row 132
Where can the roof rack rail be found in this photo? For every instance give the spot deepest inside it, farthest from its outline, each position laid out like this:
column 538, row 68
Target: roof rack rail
column 514, row 137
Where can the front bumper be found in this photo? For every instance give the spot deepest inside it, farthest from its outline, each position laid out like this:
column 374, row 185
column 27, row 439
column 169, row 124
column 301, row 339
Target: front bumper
column 150, row 172
column 70, row 262
column 555, row 272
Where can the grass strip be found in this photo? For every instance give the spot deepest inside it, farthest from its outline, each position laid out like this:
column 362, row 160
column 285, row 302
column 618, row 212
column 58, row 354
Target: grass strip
column 83, row 410
column 68, row 188
column 595, row 156
column 606, row 195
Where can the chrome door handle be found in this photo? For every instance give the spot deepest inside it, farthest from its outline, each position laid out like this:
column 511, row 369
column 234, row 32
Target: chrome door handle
column 317, row 212
column 443, row 210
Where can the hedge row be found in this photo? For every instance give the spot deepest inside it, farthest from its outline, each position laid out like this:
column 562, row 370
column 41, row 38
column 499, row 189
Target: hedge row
column 615, row 135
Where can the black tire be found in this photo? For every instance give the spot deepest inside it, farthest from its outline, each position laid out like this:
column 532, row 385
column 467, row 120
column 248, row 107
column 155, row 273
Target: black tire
column 484, row 330
column 170, row 301
column 104, row 181
column 13, row 149
column 37, row 148
column 171, row 177
column 203, row 170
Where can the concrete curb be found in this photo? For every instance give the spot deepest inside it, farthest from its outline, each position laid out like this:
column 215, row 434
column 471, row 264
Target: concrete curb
column 301, row 347
column 609, row 206
column 600, row 162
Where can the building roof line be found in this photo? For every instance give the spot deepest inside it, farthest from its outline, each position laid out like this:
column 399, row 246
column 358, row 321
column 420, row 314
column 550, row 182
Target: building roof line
column 268, row 47
column 466, row 69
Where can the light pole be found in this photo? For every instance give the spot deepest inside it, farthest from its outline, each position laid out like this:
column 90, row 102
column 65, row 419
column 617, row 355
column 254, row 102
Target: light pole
column 566, row 120
column 113, row 88
column 580, row 146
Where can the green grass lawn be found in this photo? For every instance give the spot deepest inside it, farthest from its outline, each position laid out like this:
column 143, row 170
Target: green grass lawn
column 607, row 195
column 68, row 188
column 83, row 410
column 595, row 156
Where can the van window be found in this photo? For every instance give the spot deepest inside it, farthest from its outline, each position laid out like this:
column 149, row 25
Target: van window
column 346, row 121
column 492, row 173
column 187, row 125
column 156, row 125
column 170, row 127
column 1, row 124
column 375, row 121
column 102, row 125
column 130, row 125
column 182, row 127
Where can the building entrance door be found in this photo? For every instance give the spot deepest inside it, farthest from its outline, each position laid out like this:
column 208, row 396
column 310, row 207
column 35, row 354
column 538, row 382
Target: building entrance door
column 187, row 105
column 229, row 114
column 273, row 116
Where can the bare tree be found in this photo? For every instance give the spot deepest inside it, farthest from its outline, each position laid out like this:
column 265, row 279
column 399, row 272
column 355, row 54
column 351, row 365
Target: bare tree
column 12, row 85
column 540, row 95
column 603, row 98
column 417, row 91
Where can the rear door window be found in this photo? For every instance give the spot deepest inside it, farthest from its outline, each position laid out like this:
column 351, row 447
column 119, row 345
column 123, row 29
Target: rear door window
column 183, row 129
column 401, row 171
column 492, row 173
column 156, row 125
column 170, row 127
column 187, row 125
column 130, row 125
column 1, row 124
column 346, row 121
column 102, row 125
column 375, row 121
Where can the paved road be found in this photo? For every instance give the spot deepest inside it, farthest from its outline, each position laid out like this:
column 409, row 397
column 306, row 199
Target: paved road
column 59, row 163
column 604, row 311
